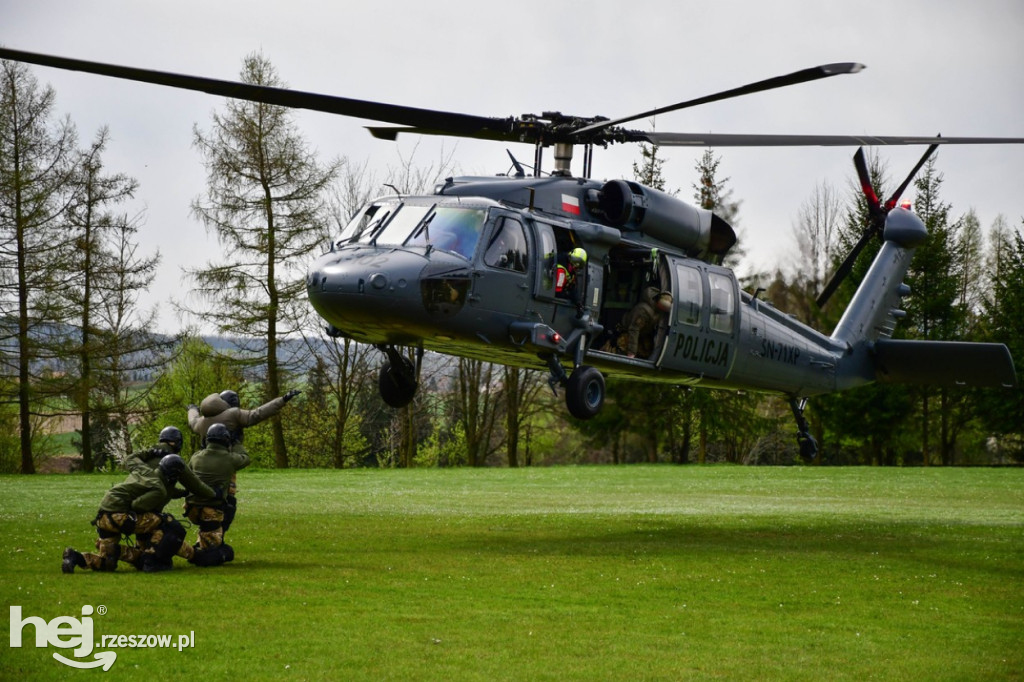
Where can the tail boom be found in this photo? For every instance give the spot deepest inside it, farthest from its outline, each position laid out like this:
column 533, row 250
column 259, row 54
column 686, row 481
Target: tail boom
column 868, row 322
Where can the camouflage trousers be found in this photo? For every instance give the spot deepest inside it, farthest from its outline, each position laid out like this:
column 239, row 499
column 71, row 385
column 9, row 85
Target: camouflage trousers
column 210, row 521
column 211, row 550
column 149, row 529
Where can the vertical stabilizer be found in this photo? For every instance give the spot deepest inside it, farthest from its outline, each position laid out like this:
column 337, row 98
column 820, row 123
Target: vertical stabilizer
column 875, row 308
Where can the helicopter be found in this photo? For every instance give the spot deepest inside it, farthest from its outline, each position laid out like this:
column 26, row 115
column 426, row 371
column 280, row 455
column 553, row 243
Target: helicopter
column 544, row 271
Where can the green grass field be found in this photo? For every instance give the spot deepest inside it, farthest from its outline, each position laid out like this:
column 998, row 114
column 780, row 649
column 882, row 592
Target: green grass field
column 580, row 573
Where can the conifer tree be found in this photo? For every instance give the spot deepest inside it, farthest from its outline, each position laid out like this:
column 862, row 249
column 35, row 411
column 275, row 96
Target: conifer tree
column 114, row 339
column 881, row 411
column 266, row 203
column 932, row 309
column 36, row 161
column 1002, row 410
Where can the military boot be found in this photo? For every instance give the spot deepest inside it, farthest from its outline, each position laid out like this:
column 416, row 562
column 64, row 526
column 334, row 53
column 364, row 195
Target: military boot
column 72, row 559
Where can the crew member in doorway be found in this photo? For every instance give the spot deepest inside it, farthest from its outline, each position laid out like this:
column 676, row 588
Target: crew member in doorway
column 570, row 279
column 640, row 325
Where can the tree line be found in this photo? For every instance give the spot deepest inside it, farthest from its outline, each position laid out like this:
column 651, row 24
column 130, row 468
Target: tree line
column 74, row 340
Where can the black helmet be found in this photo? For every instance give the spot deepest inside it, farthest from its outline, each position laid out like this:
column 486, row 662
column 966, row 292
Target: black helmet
column 230, row 397
column 172, row 436
column 218, row 433
column 171, row 467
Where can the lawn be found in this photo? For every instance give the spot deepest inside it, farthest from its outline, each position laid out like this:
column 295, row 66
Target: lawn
column 578, row 573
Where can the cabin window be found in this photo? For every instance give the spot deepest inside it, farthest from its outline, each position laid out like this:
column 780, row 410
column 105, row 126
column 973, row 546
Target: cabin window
column 451, row 229
column 723, row 302
column 690, row 297
column 507, row 247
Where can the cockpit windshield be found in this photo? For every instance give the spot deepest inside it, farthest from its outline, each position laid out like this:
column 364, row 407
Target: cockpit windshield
column 389, row 223
column 451, row 229
column 399, row 227
column 366, row 221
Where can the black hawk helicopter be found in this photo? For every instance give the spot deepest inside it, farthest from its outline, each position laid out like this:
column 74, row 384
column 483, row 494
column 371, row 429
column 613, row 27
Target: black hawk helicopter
column 543, row 271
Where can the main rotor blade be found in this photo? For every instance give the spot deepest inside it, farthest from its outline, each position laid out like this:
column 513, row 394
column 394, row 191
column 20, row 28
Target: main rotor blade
column 740, row 140
column 803, row 76
column 451, row 123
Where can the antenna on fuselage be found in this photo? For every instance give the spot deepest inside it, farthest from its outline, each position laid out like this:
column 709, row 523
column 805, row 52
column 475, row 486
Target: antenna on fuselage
column 520, row 172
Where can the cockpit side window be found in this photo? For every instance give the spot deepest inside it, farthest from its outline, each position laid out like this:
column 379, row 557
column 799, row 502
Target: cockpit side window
column 547, row 248
column 507, row 247
column 451, row 229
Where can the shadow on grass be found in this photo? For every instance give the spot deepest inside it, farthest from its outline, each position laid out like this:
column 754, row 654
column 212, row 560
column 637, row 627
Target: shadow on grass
column 835, row 543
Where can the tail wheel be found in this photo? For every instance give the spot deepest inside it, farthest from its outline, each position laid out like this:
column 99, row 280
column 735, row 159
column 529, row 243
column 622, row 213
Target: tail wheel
column 584, row 393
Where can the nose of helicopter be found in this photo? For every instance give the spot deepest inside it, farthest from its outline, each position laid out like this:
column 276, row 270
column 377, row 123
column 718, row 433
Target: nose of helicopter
column 383, row 295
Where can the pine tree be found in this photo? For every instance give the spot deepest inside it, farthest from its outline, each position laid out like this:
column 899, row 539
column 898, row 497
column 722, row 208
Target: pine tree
column 106, row 277
column 649, row 171
column 1002, row 410
column 712, row 192
column 36, row 156
column 932, row 309
column 266, row 203
column 882, row 411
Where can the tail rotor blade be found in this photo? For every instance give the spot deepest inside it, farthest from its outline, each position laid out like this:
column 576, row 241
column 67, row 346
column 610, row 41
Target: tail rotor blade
column 865, row 180
column 876, row 217
column 899, row 191
column 843, row 270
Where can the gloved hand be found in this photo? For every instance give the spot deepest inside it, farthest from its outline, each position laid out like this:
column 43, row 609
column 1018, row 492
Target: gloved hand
column 193, row 406
column 291, row 394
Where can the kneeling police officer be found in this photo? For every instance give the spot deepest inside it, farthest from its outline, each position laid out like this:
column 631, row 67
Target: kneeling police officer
column 215, row 466
column 136, row 505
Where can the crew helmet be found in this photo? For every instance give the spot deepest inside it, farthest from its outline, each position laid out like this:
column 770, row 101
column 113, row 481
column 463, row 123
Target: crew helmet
column 172, row 436
column 171, row 467
column 230, row 397
column 218, row 433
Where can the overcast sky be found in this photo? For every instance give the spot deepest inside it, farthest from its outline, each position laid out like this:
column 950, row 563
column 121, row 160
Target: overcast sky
column 934, row 66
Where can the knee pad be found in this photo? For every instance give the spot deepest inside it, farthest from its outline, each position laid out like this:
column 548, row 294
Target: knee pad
column 168, row 546
column 175, row 529
column 109, row 562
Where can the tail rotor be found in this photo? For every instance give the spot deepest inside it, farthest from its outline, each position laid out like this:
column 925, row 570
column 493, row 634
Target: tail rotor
column 877, row 214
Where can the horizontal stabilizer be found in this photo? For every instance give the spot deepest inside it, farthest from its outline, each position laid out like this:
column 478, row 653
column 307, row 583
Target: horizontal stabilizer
column 944, row 363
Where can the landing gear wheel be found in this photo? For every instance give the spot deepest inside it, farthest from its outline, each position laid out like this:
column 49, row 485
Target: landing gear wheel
column 397, row 385
column 808, row 447
column 584, row 392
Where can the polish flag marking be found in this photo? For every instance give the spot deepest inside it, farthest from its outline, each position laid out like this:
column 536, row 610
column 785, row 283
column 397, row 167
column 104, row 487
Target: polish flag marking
column 570, row 204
